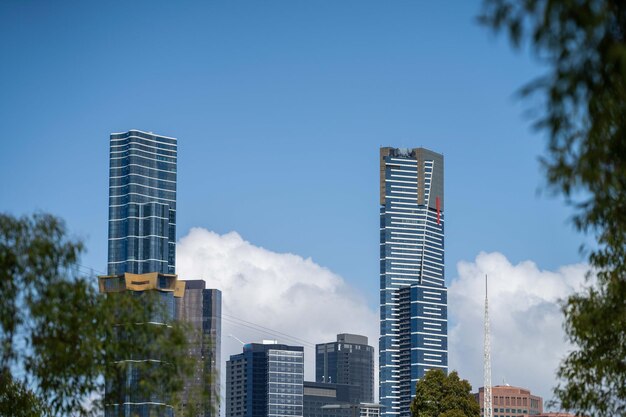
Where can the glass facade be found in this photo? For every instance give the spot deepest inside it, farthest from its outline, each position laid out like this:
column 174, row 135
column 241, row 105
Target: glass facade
column 124, row 395
column 413, row 294
column 142, row 239
column 285, row 382
column 266, row 380
column 202, row 309
column 142, row 203
column 349, row 360
column 323, row 399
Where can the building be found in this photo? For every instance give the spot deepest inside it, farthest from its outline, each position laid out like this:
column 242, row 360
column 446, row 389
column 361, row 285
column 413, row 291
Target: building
column 142, row 203
column 330, row 400
column 141, row 258
column 123, row 395
column 202, row 309
column 413, row 294
column 349, row 360
column 336, row 400
column 265, row 380
column 369, row 410
column 511, row 401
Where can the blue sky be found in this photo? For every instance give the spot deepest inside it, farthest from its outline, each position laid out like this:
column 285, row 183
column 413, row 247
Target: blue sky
column 280, row 108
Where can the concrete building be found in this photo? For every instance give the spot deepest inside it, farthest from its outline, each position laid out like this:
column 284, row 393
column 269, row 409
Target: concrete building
column 511, row 401
column 349, row 360
column 369, row 410
column 413, row 293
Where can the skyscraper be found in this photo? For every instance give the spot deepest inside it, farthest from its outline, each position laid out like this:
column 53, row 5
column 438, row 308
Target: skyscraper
column 265, row 380
column 202, row 309
column 349, row 360
column 142, row 238
column 413, row 294
column 142, row 203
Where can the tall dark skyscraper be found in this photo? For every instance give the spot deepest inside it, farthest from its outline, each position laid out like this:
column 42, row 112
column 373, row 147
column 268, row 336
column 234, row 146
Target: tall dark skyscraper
column 265, row 380
column 142, row 203
column 349, row 360
column 413, row 294
column 202, row 309
column 142, row 239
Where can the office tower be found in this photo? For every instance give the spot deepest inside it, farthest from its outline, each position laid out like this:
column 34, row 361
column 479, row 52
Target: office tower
column 413, row 294
column 142, row 203
column 202, row 309
column 265, row 380
column 511, row 401
column 350, row 361
column 142, row 233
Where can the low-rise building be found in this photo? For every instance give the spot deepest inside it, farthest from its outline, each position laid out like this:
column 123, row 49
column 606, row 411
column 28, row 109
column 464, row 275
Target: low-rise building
column 336, row 400
column 511, row 401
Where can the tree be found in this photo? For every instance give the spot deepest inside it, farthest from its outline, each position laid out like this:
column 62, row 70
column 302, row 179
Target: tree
column 59, row 336
column 583, row 43
column 17, row 400
column 441, row 395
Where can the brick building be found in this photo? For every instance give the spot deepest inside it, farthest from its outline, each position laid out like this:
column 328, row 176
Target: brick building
column 511, row 401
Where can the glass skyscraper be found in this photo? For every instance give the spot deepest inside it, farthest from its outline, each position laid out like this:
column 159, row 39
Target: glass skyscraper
column 349, row 360
column 266, row 380
column 413, row 293
column 142, row 203
column 142, row 239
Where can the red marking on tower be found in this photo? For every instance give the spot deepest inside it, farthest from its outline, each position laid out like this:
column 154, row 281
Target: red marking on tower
column 438, row 209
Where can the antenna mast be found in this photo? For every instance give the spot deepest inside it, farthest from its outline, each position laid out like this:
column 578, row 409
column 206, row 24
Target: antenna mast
column 237, row 339
column 487, row 403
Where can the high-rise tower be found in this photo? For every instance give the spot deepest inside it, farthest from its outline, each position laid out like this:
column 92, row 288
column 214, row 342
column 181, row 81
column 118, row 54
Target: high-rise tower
column 413, row 294
column 142, row 203
column 349, row 360
column 142, row 239
column 265, row 380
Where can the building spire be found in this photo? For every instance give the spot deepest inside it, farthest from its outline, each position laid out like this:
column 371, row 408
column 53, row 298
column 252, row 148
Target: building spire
column 487, row 403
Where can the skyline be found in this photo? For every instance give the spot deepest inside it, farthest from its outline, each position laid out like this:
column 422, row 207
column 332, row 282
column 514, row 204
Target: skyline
column 276, row 137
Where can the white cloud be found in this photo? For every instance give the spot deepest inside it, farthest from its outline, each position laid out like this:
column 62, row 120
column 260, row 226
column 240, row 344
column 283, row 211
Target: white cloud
column 297, row 297
column 280, row 291
column 527, row 337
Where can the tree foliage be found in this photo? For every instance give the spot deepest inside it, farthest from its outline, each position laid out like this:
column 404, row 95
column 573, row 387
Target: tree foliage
column 17, row 400
column 60, row 339
column 583, row 43
column 441, row 395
